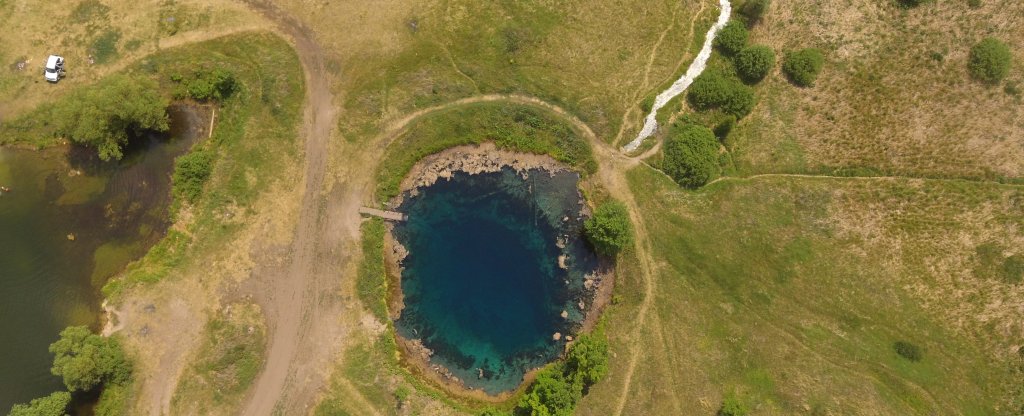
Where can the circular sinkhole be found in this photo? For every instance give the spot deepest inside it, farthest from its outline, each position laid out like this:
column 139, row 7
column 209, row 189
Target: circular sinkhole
column 495, row 274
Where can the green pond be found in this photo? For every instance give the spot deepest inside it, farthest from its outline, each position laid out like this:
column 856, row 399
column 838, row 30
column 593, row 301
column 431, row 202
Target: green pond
column 67, row 224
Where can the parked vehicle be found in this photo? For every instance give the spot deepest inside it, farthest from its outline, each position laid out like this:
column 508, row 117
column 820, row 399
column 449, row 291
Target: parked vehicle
column 54, row 68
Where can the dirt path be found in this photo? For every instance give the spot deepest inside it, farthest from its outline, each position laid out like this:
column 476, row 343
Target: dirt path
column 857, row 178
column 290, row 296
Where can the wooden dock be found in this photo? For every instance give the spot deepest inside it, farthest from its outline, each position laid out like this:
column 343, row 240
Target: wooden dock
column 387, row 215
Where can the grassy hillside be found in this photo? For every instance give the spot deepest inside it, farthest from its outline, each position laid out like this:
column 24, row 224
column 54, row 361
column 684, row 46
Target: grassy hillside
column 791, row 293
column 597, row 59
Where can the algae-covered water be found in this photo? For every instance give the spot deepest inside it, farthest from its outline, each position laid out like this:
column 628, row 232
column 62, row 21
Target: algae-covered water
column 69, row 223
column 482, row 284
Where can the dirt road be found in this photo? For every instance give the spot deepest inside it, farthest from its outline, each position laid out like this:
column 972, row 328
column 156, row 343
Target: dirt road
column 298, row 318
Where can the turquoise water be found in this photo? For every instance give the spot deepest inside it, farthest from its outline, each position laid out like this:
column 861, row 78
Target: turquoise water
column 482, row 284
column 114, row 211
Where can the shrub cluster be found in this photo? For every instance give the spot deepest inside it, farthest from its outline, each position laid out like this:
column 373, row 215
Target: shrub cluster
column 609, row 230
column 190, row 174
column 907, row 350
column 989, row 60
column 558, row 388
column 206, row 84
column 732, row 406
column 714, row 90
column 86, row 362
column 691, row 155
column 754, row 10
column 56, row 404
column 106, row 115
column 803, row 66
column 754, row 62
column 732, row 37
column 913, row 3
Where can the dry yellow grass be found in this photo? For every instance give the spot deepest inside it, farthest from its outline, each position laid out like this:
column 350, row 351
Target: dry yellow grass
column 790, row 292
column 895, row 95
column 35, row 29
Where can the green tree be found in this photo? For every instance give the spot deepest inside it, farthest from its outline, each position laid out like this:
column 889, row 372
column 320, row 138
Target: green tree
column 803, row 66
column 587, row 360
column 490, row 411
column 990, row 60
column 609, row 230
column 753, row 63
column 85, row 360
column 551, row 395
column 106, row 115
column 691, row 155
column 732, row 38
column 56, row 404
column 754, row 9
column 714, row 90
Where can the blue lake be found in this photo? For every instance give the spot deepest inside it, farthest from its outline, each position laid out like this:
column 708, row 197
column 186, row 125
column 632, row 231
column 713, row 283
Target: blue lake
column 482, row 284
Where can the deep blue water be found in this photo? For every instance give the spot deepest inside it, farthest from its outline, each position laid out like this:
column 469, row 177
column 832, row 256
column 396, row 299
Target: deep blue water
column 482, row 285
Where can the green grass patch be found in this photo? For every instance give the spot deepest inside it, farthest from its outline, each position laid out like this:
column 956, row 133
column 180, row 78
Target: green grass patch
column 89, row 10
column 228, row 362
column 512, row 127
column 104, row 46
column 371, row 283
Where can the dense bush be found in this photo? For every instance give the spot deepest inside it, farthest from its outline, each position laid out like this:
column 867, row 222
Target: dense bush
column 753, row 63
column 1013, row 269
column 907, row 350
column 86, row 360
column 732, row 406
column 609, row 230
column 754, row 10
column 190, row 174
column 588, row 359
column 913, row 3
column 558, row 388
column 990, row 60
column 802, row 67
column 106, row 115
column 56, row 404
column 205, row 85
column 691, row 155
column 714, row 90
column 551, row 394
column 732, row 38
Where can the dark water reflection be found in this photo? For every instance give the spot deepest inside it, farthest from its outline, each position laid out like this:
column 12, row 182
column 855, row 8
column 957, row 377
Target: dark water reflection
column 69, row 222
